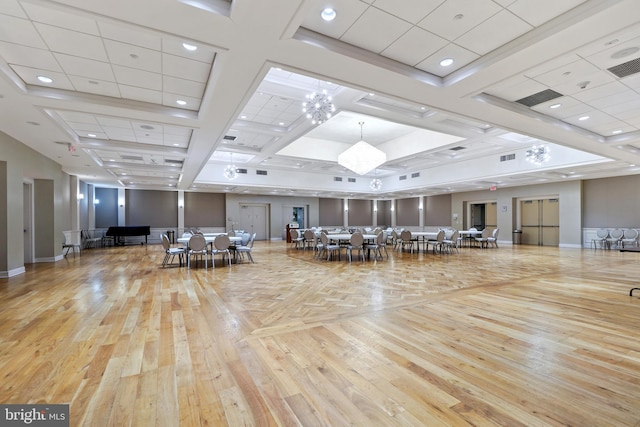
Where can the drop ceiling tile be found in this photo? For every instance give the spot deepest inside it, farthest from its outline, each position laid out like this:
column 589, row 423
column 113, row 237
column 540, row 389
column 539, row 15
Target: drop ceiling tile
column 596, row 118
column 617, row 54
column 119, row 134
column 624, row 110
column 58, row 18
column 570, row 107
column 553, row 64
column 13, row 8
column 375, row 30
column 128, row 35
column 173, row 46
column 85, row 67
column 185, row 68
column 346, row 14
column 83, row 128
column 517, row 88
column 597, row 92
column 98, row 87
column 132, row 56
column 72, row 42
column 460, row 55
column 505, row 3
column 140, row 94
column 493, row 33
column 26, row 56
column 113, row 122
column 573, row 72
column 447, row 22
column 409, row 10
column 139, row 78
column 30, row 76
column 20, row 31
column 78, row 117
column 182, row 87
column 414, row 46
column 614, row 100
column 584, row 82
column 540, row 11
column 632, row 82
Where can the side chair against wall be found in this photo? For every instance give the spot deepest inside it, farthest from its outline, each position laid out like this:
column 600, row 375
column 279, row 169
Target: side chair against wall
column 615, row 236
column 629, row 238
column 72, row 240
column 170, row 253
column 89, row 240
column 601, row 239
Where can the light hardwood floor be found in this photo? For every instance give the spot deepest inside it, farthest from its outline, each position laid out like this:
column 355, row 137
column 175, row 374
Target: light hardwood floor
column 515, row 336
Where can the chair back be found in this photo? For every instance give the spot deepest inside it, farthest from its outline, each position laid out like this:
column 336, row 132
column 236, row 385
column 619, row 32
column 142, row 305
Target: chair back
column 381, row 239
column 405, row 235
column 231, row 233
column 495, row 233
column 252, row 239
column 455, row 235
column 630, row 233
column 165, row 242
column 617, row 233
column 324, row 239
column 221, row 242
column 356, row 239
column 197, row 242
column 246, row 237
column 72, row 237
column 602, row 233
column 293, row 233
column 309, row 235
column 440, row 236
column 485, row 233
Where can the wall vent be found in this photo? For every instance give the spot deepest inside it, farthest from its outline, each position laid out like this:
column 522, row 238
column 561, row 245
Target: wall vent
column 174, row 161
column 351, row 179
column 229, row 138
column 458, row 148
column 508, row 157
column 539, row 98
column 337, row 178
column 241, row 170
column 626, row 69
column 402, row 177
column 259, row 172
column 415, row 175
column 127, row 157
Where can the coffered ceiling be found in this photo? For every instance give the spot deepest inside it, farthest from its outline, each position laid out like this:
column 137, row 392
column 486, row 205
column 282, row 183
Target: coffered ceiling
column 164, row 94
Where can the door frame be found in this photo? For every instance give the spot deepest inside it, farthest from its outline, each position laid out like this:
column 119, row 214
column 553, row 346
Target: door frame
column 28, row 222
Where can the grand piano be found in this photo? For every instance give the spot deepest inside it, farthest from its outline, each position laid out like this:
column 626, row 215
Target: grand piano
column 120, row 232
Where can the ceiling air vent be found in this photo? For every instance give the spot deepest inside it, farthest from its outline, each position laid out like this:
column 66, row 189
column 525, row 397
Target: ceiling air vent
column 174, row 161
column 337, row 178
column 458, row 148
column 507, row 157
column 241, row 170
column 402, row 177
column 415, row 175
column 626, row 69
column 127, row 157
column 351, row 179
column 539, row 98
column 229, row 138
column 259, row 172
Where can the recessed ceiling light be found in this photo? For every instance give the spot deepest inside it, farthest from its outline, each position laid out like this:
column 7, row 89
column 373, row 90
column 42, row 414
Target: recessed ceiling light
column 189, row 47
column 583, row 118
column 243, row 117
column 91, row 135
column 554, row 106
column 45, row 79
column 328, row 14
column 281, row 123
column 176, row 145
column 617, row 131
column 446, row 62
column 625, row 52
column 181, row 102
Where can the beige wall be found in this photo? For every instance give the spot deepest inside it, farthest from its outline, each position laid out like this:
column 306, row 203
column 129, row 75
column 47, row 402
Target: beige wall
column 24, row 164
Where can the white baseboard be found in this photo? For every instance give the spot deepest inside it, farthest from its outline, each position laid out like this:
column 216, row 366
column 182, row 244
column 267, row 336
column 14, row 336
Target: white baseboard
column 11, row 273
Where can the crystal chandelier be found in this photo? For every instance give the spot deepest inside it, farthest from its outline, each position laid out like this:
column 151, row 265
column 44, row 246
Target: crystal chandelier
column 318, row 107
column 538, row 154
column 231, row 172
column 375, row 184
column 362, row 157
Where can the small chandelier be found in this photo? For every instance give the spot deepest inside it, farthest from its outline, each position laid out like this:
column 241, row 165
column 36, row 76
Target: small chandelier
column 375, row 184
column 538, row 154
column 231, row 172
column 362, row 157
column 318, row 107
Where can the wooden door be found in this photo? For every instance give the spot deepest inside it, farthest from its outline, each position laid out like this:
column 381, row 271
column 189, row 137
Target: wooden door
column 253, row 219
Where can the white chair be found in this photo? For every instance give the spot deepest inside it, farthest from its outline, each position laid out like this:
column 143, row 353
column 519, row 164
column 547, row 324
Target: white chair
column 72, row 240
column 482, row 240
column 615, row 236
column 296, row 238
column 600, row 239
column 89, row 239
column 493, row 239
column 629, row 238
column 330, row 249
column 197, row 248
column 406, row 239
column 356, row 243
column 437, row 243
column 246, row 249
column 452, row 242
column 221, row 246
column 169, row 252
column 309, row 239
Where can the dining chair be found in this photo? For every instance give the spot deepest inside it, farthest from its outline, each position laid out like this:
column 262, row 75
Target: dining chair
column 246, row 248
column 436, row 243
column 629, row 238
column 452, row 242
column 221, row 246
column 330, row 249
column 198, row 248
column 493, row 239
column 169, row 252
column 600, row 239
column 356, row 243
column 615, row 236
column 309, row 239
column 482, row 240
column 72, row 240
column 406, row 239
column 296, row 238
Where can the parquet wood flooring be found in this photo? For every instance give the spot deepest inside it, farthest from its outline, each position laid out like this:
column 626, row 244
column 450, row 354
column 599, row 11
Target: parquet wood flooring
column 515, row 336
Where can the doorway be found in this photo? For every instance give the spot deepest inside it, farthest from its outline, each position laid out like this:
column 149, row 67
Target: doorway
column 540, row 221
column 27, row 221
column 484, row 215
column 253, row 219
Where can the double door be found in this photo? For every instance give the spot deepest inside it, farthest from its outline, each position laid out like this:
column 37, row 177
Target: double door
column 253, row 219
column 540, row 222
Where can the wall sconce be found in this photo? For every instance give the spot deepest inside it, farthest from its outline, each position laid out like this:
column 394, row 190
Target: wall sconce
column 180, row 206
column 420, row 206
column 121, row 203
column 375, row 208
column 392, row 207
column 96, row 201
column 346, row 206
column 80, row 196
